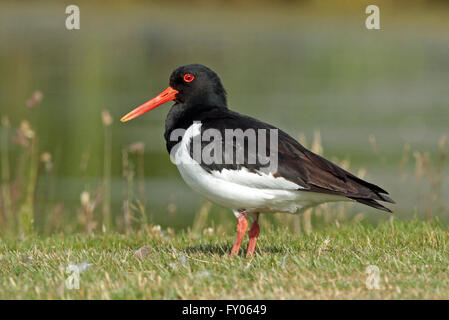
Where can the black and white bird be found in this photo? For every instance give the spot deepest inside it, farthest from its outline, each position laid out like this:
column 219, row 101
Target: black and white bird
column 300, row 179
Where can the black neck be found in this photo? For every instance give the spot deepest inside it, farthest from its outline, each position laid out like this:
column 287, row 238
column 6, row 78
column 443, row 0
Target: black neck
column 181, row 116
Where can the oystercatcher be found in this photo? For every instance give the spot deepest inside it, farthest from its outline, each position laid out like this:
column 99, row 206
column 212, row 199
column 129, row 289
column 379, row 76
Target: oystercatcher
column 199, row 123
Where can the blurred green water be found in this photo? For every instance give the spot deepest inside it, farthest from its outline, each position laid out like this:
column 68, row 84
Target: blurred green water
column 293, row 68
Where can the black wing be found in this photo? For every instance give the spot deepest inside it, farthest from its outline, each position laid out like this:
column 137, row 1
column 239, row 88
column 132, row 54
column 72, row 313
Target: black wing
column 295, row 163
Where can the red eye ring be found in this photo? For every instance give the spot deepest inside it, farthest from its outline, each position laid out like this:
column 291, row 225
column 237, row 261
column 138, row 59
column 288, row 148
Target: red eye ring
column 188, row 77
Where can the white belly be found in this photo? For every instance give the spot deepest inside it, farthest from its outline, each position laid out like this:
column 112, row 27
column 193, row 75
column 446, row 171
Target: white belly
column 255, row 192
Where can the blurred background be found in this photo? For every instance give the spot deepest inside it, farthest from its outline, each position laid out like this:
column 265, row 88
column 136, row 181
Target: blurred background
column 374, row 101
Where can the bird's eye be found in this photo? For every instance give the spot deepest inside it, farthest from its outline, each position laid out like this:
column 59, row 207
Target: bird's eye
column 188, row 77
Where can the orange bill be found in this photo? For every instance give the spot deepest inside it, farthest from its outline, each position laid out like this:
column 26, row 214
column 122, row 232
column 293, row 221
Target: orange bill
column 168, row 94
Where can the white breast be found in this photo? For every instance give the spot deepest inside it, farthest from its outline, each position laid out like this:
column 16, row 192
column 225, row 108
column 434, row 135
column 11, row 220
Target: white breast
column 242, row 189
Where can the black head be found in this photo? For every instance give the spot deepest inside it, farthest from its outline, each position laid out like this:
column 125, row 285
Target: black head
column 197, row 84
column 190, row 85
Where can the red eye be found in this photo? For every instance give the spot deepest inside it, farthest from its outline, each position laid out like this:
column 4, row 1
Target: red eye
column 188, row 77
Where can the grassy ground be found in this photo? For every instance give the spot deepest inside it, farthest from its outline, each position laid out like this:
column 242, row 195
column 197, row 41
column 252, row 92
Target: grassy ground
column 412, row 258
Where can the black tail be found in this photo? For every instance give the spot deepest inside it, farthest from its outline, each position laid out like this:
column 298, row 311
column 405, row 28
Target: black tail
column 377, row 193
column 374, row 203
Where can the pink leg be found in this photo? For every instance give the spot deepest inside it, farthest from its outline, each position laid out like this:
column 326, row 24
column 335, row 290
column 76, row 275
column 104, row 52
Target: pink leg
column 242, row 225
column 253, row 235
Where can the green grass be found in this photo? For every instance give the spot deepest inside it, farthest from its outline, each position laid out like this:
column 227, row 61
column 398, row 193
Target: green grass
column 330, row 263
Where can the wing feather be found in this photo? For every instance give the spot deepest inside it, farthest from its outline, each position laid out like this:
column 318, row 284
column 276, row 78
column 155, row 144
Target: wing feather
column 295, row 163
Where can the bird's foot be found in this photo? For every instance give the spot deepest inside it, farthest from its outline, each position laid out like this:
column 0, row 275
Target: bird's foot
column 253, row 234
column 242, row 225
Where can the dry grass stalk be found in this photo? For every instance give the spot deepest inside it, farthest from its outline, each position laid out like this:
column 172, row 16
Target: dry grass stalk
column 8, row 219
column 107, row 122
